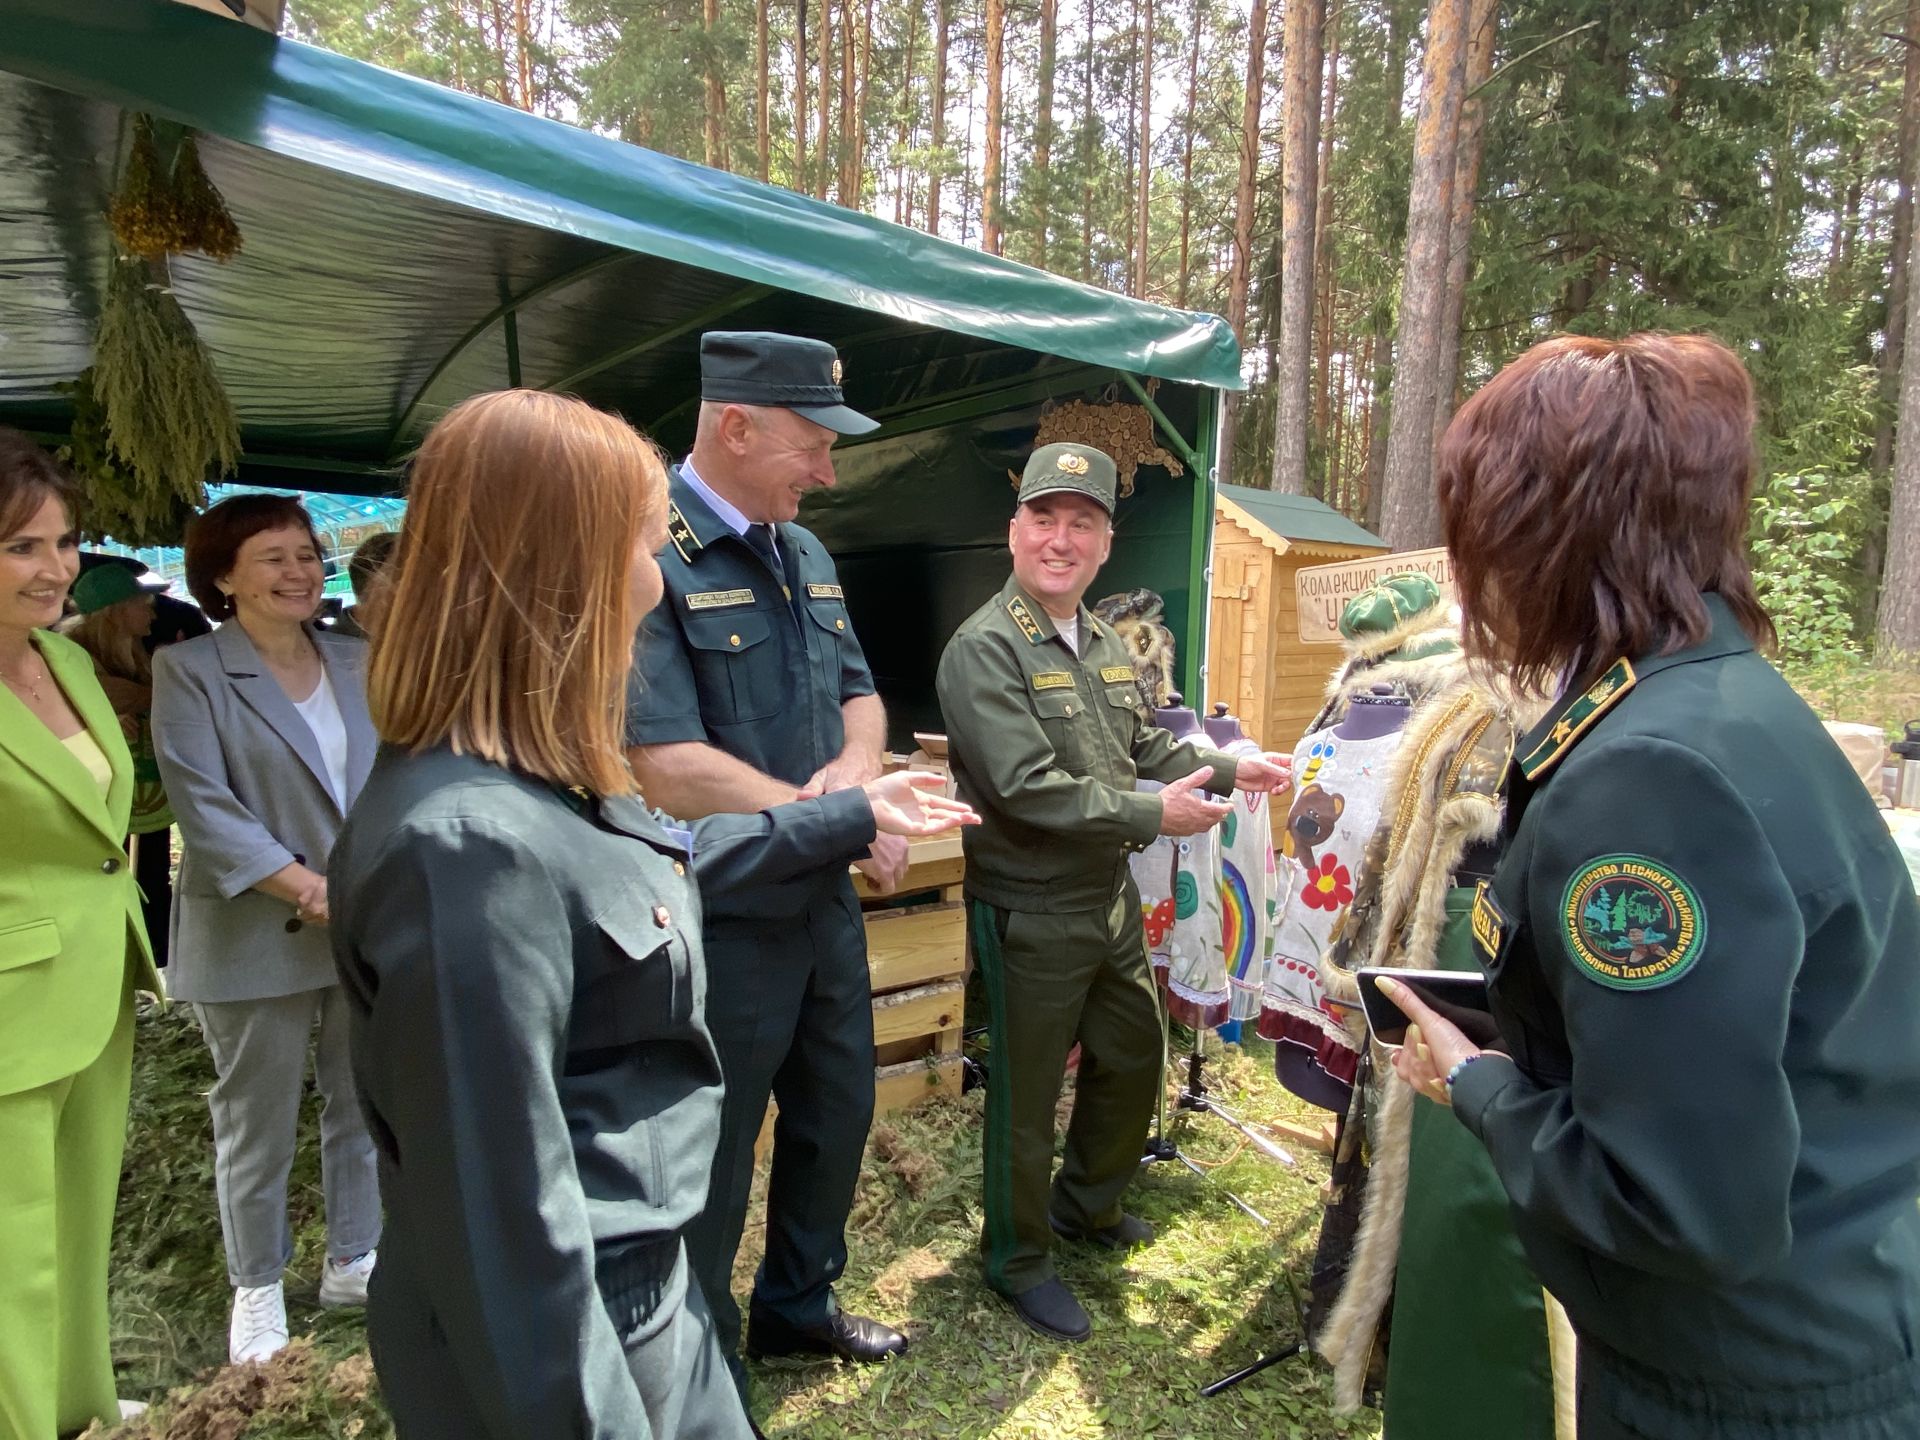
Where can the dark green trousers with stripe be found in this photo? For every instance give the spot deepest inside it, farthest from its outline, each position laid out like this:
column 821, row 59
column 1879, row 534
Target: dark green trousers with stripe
column 1053, row 980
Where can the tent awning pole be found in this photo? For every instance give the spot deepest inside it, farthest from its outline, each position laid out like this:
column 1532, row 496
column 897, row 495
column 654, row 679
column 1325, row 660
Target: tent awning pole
column 1186, row 451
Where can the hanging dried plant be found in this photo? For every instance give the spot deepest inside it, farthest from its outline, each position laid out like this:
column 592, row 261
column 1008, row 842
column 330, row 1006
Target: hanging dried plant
column 145, row 213
column 112, row 504
column 206, row 224
column 168, row 419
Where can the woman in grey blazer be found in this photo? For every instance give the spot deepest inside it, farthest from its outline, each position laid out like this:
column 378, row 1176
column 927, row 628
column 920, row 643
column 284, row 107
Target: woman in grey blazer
column 263, row 739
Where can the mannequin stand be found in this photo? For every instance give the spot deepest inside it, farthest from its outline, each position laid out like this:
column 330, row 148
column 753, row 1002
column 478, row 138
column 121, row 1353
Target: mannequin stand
column 1267, row 1361
column 1195, row 1098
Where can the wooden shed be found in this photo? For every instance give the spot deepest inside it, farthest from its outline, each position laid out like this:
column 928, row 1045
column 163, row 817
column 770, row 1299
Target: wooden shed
column 1256, row 661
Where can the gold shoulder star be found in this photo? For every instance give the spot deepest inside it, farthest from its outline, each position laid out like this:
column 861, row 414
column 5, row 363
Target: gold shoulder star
column 1561, row 733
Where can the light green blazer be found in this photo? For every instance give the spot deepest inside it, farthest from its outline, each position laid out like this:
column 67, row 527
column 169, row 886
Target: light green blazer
column 69, row 908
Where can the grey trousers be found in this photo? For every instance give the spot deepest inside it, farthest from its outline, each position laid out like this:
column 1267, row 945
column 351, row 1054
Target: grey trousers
column 260, row 1053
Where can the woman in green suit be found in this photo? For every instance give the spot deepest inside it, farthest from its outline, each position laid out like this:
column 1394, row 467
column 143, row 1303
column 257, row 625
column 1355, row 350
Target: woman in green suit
column 72, row 952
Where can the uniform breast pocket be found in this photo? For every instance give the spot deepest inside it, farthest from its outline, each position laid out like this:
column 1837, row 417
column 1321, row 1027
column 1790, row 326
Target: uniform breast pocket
column 639, row 987
column 1122, row 711
column 735, row 666
column 830, row 618
column 1063, row 716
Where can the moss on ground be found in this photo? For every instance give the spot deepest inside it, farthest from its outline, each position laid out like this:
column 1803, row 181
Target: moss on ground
column 1205, row 1298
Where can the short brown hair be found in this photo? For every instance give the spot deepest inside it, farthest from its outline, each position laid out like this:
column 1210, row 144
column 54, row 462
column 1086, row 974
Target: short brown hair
column 28, row 475
column 1590, row 492
column 369, row 558
column 215, row 536
column 522, row 513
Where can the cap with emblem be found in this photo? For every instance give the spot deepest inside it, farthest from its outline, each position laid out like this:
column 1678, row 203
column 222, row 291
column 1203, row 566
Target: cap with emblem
column 786, row 372
column 1080, row 469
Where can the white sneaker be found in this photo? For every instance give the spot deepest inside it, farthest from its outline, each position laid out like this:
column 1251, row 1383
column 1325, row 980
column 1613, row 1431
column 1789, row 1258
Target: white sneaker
column 259, row 1326
column 344, row 1282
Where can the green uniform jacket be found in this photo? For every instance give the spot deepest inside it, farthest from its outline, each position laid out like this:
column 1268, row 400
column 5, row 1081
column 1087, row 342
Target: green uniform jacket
column 1046, row 745
column 527, row 987
column 1704, row 955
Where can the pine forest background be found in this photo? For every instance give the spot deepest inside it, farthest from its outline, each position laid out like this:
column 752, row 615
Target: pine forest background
column 1389, row 199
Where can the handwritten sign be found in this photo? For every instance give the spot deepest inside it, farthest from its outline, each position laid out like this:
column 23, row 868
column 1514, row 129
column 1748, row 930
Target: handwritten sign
column 1322, row 591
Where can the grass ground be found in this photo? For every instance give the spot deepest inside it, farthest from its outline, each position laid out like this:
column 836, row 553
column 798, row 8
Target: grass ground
column 1205, row 1298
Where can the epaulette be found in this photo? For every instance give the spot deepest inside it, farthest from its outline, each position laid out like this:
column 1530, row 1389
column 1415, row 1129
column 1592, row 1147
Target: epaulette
column 1578, row 718
column 1023, row 617
column 681, row 533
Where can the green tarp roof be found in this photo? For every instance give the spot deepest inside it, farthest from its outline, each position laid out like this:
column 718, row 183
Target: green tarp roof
column 1299, row 517
column 391, row 225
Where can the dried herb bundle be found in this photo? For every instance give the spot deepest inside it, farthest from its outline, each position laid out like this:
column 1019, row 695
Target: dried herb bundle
column 168, row 419
column 145, row 214
column 205, row 223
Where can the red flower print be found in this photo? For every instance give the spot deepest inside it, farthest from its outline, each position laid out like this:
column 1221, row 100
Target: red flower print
column 1329, row 884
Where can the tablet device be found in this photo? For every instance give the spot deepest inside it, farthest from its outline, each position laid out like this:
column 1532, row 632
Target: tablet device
column 1457, row 995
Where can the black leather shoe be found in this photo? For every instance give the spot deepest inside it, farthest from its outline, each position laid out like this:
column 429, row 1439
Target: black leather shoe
column 1050, row 1308
column 1128, row 1232
column 851, row 1337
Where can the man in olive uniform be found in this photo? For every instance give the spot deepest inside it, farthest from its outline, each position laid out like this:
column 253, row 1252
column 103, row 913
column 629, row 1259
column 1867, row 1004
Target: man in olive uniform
column 750, row 690
column 1046, row 743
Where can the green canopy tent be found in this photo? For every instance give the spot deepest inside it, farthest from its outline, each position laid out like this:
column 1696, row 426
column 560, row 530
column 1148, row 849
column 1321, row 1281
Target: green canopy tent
column 408, row 245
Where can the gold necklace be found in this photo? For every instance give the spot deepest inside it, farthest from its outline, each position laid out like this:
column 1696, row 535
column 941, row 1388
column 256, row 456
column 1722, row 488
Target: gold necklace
column 32, row 687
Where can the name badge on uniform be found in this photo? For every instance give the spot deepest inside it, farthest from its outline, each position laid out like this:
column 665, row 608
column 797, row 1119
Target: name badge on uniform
column 719, row 599
column 1116, row 674
column 1053, row 680
column 825, row 592
column 1489, row 921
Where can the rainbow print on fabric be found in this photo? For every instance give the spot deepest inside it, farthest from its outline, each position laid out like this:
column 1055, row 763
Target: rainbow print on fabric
column 1239, row 923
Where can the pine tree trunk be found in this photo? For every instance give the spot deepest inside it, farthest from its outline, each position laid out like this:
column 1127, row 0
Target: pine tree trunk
column 942, row 37
column 990, row 180
column 1323, row 278
column 1483, row 31
column 1898, row 630
column 1893, row 353
column 799, row 180
column 822, row 135
column 848, row 186
column 1241, row 263
column 1299, row 207
column 1373, row 444
column 1043, row 126
column 1143, row 196
column 1088, row 150
column 762, row 95
column 1409, row 516
column 716, row 90
column 1187, row 154
column 902, row 176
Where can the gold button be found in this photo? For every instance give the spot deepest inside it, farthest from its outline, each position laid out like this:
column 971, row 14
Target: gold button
column 1069, row 709
column 678, row 868
column 733, row 639
column 662, row 917
column 839, row 624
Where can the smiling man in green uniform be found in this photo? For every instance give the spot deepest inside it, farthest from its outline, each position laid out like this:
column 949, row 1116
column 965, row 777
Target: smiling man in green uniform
column 750, row 691
column 1046, row 743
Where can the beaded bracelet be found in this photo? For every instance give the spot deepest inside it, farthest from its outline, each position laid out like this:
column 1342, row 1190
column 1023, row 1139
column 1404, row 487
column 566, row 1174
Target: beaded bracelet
column 1454, row 1073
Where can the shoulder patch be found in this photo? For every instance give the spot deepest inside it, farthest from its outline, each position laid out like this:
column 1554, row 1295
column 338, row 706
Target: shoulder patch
column 1578, row 717
column 1023, row 617
column 719, row 599
column 825, row 592
column 681, row 533
column 1631, row 923
column 1051, row 680
column 1116, row 674
column 1489, row 921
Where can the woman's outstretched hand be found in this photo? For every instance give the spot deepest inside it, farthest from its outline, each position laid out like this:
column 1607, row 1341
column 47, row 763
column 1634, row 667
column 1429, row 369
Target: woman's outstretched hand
column 909, row 802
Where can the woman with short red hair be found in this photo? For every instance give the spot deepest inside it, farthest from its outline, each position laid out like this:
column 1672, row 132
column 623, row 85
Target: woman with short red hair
column 1702, row 948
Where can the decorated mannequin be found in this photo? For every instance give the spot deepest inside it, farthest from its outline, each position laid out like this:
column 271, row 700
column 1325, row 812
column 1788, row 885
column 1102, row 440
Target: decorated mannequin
column 1475, row 1342
column 1336, row 806
column 1249, row 884
column 1179, row 880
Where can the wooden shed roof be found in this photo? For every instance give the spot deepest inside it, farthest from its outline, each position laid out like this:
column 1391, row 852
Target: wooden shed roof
column 1294, row 522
